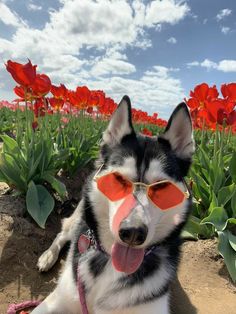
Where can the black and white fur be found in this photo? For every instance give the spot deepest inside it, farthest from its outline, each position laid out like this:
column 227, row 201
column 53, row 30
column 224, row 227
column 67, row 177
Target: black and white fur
column 140, row 158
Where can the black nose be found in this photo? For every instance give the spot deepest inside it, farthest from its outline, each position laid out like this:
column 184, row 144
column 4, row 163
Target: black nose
column 133, row 236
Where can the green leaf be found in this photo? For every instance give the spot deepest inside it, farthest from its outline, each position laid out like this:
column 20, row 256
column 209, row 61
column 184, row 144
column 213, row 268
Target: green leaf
column 232, row 240
column 10, row 145
column 214, row 202
column 39, row 203
column 227, row 158
column 231, row 221
column 232, row 167
column 204, row 157
column 33, row 168
column 2, row 177
column 225, row 194
column 218, row 218
column 193, row 229
column 12, row 172
column 227, row 253
column 185, row 234
column 57, row 185
column 233, row 204
column 202, row 188
column 219, row 177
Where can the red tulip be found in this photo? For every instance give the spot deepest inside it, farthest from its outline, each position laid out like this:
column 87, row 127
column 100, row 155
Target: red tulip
column 97, row 98
column 146, row 132
column 203, row 111
column 39, row 108
column 72, row 97
column 213, row 109
column 219, row 112
column 23, row 74
column 229, row 91
column 89, row 110
column 231, row 119
column 59, row 91
column 35, row 125
column 41, row 86
column 200, row 92
column 82, row 96
column 23, row 93
column 212, row 93
column 56, row 103
column 203, row 92
column 108, row 107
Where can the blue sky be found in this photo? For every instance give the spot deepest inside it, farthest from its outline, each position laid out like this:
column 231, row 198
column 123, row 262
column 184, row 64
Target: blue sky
column 154, row 51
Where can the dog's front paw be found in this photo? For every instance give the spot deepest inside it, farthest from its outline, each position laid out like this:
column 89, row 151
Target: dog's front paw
column 47, row 260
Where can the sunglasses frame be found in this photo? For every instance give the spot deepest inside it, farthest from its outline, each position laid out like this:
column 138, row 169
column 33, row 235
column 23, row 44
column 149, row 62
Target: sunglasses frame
column 186, row 193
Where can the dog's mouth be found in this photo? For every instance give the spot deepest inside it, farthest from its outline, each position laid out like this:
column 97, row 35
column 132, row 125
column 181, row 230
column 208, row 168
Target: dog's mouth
column 126, row 259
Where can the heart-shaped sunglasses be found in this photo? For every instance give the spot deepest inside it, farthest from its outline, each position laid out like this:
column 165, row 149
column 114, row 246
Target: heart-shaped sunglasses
column 164, row 194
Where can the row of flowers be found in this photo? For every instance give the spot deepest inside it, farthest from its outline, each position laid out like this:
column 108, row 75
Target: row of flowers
column 34, row 89
column 208, row 110
column 211, row 111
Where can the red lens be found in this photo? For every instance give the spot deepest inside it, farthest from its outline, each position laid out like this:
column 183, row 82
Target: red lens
column 114, row 186
column 165, row 195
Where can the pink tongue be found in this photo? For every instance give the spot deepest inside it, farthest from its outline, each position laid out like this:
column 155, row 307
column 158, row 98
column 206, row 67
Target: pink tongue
column 126, row 259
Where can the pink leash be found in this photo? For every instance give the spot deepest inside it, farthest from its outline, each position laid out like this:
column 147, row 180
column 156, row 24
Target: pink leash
column 14, row 308
column 83, row 244
column 82, row 298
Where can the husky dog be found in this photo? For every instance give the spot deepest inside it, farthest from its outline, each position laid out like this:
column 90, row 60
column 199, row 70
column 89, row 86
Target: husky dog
column 125, row 232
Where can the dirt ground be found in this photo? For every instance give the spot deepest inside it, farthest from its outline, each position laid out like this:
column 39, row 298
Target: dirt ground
column 203, row 284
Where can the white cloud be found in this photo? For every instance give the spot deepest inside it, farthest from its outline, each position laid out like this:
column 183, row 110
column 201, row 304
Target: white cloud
column 225, row 30
column 79, row 24
column 10, row 18
column 223, row 65
column 227, row 66
column 223, row 13
column 112, row 66
column 193, row 64
column 172, row 40
column 161, row 71
column 84, row 41
column 88, row 21
column 158, row 27
column 209, row 64
column 165, row 11
column 112, row 63
column 154, row 91
column 34, row 7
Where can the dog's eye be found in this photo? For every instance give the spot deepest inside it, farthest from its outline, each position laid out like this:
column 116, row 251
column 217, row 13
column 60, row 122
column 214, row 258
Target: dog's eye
column 121, row 179
column 160, row 186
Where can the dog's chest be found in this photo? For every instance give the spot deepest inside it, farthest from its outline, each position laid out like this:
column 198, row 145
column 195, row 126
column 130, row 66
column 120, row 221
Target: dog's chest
column 108, row 289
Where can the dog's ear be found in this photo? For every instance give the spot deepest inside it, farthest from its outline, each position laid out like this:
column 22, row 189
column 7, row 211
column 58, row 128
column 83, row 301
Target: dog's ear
column 179, row 132
column 120, row 124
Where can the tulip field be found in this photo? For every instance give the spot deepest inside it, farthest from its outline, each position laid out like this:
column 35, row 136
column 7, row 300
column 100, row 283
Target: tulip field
column 50, row 131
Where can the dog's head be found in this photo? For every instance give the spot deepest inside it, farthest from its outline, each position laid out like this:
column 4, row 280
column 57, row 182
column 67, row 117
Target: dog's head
column 131, row 210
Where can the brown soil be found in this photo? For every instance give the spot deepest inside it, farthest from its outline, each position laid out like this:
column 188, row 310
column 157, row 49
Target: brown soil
column 203, row 284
